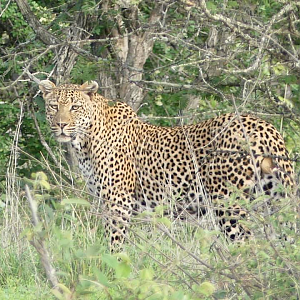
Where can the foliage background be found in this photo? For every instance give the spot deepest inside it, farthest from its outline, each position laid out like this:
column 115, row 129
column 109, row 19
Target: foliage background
column 174, row 62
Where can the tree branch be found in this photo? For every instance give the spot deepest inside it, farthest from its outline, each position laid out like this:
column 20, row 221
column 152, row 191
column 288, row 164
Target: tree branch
column 42, row 34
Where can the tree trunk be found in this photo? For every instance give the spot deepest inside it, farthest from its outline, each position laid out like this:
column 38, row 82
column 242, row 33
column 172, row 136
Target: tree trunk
column 130, row 49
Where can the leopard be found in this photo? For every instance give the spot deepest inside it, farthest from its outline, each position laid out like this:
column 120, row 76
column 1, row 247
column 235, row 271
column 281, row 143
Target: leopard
column 132, row 166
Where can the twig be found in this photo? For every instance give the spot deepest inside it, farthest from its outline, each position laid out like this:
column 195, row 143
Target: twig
column 5, row 8
column 38, row 243
column 48, row 149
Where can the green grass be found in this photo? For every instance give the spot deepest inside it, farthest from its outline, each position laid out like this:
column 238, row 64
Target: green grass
column 25, row 291
column 19, row 278
column 162, row 259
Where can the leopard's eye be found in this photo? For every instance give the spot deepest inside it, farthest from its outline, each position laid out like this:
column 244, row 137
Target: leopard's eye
column 53, row 106
column 75, row 107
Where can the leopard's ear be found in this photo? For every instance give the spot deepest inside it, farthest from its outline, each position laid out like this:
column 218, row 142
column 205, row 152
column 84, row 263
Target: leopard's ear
column 46, row 86
column 89, row 87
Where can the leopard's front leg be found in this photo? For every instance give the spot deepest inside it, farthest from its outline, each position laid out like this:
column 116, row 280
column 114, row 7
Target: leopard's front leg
column 115, row 181
column 117, row 212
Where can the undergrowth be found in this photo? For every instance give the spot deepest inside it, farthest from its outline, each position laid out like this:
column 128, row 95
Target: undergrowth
column 162, row 258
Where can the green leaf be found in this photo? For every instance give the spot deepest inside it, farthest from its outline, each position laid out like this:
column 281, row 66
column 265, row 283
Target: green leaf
column 288, row 102
column 40, row 176
column 123, row 270
column 220, row 295
column 80, row 254
column 75, row 201
column 110, row 260
column 93, row 250
column 64, row 288
column 147, row 274
column 179, row 295
column 45, row 184
column 289, row 79
column 158, row 101
column 124, row 257
column 101, row 278
column 279, row 69
column 210, row 5
column 57, row 294
column 160, row 209
column 233, row 4
column 263, row 255
column 206, row 288
column 2, row 204
column 165, row 221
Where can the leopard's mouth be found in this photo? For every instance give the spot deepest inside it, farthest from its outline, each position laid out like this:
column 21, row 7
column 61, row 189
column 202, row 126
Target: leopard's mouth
column 63, row 138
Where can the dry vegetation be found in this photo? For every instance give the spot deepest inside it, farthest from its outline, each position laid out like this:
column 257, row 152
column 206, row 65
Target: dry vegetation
column 174, row 62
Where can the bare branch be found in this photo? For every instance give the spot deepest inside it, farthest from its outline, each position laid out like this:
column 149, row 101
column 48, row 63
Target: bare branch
column 48, row 149
column 39, row 245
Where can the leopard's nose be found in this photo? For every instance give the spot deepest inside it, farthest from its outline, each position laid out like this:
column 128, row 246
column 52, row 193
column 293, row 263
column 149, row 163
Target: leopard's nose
column 62, row 124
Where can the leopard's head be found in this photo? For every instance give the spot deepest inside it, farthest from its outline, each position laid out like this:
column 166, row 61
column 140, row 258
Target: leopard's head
column 69, row 108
